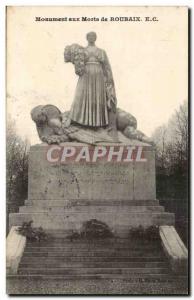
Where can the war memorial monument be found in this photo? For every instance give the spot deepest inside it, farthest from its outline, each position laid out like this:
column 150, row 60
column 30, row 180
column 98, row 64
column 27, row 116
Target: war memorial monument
column 93, row 165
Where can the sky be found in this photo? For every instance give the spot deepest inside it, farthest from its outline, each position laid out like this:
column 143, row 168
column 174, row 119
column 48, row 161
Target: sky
column 149, row 60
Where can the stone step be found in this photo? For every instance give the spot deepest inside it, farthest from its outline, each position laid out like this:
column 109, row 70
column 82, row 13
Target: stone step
column 135, row 253
column 96, row 202
column 61, row 237
column 91, row 209
column 76, row 244
column 70, row 264
column 74, row 271
column 101, row 258
column 98, row 259
column 82, row 247
column 93, row 215
column 137, row 278
column 65, row 239
column 96, row 250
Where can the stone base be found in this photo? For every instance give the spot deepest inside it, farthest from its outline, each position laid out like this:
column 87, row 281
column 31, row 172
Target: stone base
column 118, row 187
column 55, row 174
column 120, row 218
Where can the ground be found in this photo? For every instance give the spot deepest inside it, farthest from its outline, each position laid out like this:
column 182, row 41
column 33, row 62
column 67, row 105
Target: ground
column 97, row 287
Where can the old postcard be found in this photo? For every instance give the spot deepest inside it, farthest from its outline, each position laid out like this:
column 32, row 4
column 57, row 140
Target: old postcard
column 97, row 150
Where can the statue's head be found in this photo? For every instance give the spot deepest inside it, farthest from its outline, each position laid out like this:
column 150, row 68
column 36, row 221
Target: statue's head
column 46, row 114
column 38, row 115
column 91, row 37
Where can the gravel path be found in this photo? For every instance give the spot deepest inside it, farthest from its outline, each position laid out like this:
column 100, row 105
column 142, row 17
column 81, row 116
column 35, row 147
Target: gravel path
column 95, row 287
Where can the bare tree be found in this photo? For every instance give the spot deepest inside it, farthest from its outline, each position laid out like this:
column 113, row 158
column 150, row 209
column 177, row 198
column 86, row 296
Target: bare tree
column 160, row 140
column 16, row 166
column 171, row 142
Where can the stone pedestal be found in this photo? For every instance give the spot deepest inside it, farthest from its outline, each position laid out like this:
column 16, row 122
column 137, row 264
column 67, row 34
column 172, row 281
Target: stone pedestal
column 73, row 182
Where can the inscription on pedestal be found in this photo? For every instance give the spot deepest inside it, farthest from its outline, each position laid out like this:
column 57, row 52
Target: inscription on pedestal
column 131, row 177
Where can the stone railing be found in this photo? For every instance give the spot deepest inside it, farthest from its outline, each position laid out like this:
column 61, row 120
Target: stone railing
column 174, row 248
column 15, row 246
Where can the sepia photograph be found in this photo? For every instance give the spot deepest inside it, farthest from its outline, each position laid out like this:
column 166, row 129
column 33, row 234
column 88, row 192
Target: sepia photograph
column 97, row 150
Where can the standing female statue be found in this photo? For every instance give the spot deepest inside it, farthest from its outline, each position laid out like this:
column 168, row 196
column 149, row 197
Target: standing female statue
column 94, row 103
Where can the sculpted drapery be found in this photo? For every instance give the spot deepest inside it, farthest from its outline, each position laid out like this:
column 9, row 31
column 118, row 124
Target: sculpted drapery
column 95, row 91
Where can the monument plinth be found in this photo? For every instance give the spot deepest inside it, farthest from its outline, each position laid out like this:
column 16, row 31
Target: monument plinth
column 115, row 172
column 72, row 183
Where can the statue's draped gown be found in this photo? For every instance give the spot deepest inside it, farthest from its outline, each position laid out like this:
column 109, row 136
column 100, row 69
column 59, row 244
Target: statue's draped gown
column 89, row 107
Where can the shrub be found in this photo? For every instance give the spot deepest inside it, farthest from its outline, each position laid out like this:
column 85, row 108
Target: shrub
column 93, row 229
column 148, row 234
column 32, row 234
